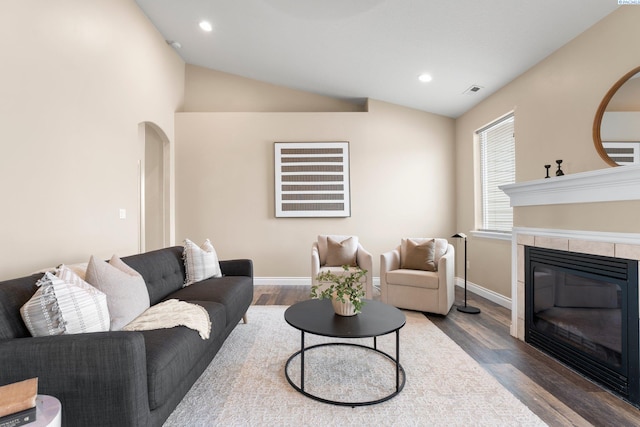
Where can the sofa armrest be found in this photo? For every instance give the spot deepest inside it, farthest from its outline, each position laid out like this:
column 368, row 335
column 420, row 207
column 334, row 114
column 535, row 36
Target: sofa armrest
column 237, row 267
column 83, row 371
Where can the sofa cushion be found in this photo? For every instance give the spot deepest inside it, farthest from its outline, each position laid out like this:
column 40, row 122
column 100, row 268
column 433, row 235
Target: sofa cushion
column 170, row 313
column 414, row 278
column 341, row 252
column 163, row 271
column 200, row 262
column 65, row 305
column 14, row 294
column 172, row 353
column 125, row 288
column 234, row 292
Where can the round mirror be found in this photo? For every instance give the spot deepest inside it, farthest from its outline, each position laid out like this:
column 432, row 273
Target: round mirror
column 616, row 128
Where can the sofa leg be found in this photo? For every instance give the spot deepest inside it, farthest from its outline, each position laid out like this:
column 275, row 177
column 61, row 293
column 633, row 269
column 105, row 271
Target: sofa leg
column 244, row 318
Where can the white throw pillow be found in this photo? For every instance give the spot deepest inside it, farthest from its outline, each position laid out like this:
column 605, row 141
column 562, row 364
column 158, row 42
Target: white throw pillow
column 200, row 262
column 127, row 294
column 65, row 304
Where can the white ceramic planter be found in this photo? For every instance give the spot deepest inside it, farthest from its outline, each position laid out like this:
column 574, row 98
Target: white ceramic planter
column 343, row 308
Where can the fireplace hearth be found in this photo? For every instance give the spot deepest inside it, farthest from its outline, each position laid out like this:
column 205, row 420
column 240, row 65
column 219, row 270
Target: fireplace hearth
column 582, row 309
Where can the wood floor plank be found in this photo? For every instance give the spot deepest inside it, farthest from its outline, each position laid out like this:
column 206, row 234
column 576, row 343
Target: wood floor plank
column 539, row 400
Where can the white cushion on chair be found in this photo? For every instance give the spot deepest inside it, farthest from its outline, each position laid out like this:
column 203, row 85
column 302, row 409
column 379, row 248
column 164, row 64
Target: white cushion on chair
column 415, row 278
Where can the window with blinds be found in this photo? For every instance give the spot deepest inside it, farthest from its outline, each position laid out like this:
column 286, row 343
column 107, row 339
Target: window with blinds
column 497, row 167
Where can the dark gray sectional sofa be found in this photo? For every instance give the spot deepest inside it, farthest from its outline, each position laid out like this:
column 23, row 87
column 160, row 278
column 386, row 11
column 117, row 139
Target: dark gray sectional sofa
column 122, row 378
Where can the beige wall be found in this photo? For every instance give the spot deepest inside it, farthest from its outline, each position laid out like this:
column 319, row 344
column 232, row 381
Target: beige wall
column 76, row 80
column 84, row 75
column 215, row 91
column 555, row 103
column 402, row 182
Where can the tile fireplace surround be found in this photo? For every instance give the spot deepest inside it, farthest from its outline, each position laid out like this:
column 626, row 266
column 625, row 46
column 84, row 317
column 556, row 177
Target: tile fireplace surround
column 617, row 245
column 613, row 184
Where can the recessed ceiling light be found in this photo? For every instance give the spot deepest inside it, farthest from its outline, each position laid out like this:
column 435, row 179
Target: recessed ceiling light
column 206, row 26
column 424, row 78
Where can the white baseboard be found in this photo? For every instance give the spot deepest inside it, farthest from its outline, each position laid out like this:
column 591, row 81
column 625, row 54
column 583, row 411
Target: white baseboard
column 485, row 293
column 306, row 281
column 294, row 281
column 282, row 281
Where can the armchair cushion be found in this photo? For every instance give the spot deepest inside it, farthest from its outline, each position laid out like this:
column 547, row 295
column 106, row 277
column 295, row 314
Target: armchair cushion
column 414, row 278
column 338, row 271
column 341, row 252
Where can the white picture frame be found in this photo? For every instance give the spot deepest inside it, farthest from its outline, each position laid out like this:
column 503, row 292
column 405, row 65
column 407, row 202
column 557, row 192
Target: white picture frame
column 312, row 179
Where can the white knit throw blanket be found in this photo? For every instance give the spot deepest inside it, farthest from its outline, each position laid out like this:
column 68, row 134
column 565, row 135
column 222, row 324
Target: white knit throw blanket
column 172, row 313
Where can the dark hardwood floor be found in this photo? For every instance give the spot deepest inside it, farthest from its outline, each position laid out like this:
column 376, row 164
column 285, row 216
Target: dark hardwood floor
column 559, row 396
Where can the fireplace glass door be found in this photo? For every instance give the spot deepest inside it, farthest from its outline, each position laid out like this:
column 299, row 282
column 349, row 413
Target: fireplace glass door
column 579, row 312
column 583, row 310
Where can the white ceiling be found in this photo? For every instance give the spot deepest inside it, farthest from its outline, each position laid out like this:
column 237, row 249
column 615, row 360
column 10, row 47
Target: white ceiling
column 357, row 49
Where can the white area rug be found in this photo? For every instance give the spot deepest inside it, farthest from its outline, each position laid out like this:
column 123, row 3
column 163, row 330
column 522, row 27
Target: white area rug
column 245, row 384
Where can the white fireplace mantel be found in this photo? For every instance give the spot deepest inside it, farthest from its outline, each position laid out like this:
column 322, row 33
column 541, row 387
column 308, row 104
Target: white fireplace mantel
column 604, row 185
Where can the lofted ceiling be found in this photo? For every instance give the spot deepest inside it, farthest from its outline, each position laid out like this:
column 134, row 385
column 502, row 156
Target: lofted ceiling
column 358, row 49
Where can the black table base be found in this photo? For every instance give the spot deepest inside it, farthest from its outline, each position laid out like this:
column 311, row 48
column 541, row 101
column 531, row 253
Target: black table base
column 400, row 374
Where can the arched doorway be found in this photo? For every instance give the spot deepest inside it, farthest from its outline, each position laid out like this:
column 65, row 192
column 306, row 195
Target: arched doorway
column 154, row 189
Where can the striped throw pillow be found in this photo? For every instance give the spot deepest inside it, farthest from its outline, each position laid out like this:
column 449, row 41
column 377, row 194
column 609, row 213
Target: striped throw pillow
column 65, row 304
column 200, row 262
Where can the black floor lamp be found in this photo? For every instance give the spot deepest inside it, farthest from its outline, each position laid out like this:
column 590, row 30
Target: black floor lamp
column 466, row 308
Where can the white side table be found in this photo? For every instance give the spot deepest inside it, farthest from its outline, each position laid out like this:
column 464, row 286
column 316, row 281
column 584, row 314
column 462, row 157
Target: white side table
column 48, row 412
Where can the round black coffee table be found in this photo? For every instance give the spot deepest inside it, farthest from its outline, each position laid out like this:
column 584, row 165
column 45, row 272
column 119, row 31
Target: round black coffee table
column 318, row 317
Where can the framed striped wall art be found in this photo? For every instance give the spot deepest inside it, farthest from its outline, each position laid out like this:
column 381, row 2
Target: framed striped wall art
column 312, row 179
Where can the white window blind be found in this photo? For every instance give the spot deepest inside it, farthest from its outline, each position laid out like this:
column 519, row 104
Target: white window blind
column 497, row 167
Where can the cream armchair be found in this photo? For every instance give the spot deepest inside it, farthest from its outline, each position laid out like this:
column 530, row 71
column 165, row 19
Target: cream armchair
column 330, row 252
column 405, row 279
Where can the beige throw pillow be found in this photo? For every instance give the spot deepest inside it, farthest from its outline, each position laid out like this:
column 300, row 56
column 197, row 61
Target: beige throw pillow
column 341, row 253
column 419, row 256
column 127, row 294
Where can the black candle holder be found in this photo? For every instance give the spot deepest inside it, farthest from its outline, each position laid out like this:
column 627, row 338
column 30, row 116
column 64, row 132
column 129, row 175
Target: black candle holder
column 559, row 171
column 547, row 167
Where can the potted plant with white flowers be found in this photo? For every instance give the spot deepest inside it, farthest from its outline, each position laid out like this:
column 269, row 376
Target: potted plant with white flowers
column 345, row 290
